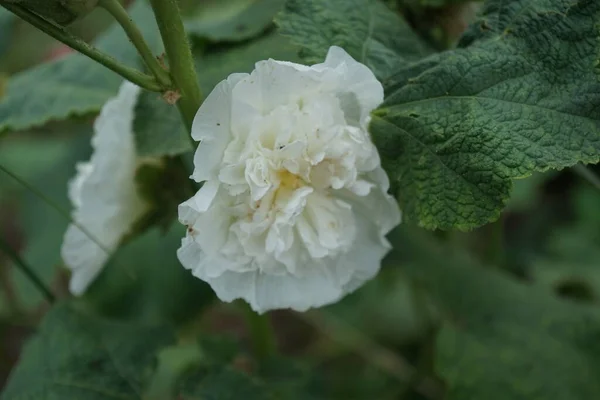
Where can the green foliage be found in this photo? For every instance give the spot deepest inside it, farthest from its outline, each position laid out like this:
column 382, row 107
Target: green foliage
column 366, row 29
column 158, row 127
column 521, row 95
column 80, row 356
column 47, row 164
column 216, row 65
column 75, row 85
column 144, row 281
column 6, row 26
column 232, row 21
column 502, row 339
column 77, row 356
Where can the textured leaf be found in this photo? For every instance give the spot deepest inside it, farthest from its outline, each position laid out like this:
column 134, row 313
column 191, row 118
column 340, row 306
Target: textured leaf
column 503, row 339
column 79, row 357
column 232, row 21
column 158, row 127
column 524, row 96
column 216, row 65
column 366, row 29
column 74, row 85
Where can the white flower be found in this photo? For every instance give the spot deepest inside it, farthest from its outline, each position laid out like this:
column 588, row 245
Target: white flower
column 294, row 210
column 104, row 192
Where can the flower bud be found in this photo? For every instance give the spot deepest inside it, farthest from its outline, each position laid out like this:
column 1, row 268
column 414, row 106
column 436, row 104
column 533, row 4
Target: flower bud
column 62, row 12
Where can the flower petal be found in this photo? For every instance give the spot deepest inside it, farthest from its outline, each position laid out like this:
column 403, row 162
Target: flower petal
column 103, row 192
column 212, row 127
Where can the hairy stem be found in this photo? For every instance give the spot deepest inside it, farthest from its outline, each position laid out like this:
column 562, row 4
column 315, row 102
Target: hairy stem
column 115, row 8
column 57, row 32
column 180, row 59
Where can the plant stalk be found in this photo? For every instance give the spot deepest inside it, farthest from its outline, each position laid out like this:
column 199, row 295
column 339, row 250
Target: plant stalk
column 115, row 9
column 261, row 332
column 180, row 59
column 31, row 275
column 57, row 32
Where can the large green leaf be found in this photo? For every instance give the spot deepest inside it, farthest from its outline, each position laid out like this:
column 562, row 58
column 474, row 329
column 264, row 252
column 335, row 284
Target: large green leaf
column 216, row 65
column 80, row 357
column 74, row 85
column 523, row 96
column 366, row 29
column 502, row 339
column 232, row 21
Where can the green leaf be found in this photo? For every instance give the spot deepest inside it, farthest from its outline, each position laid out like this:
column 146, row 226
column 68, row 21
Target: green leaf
column 74, row 85
column 502, row 339
column 524, row 96
column 232, row 21
column 144, row 281
column 366, row 29
column 6, row 26
column 216, row 65
column 80, row 357
column 159, row 129
column 47, row 164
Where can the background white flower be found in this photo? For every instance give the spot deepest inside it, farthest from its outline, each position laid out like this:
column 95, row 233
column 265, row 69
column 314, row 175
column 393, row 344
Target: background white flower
column 294, row 210
column 103, row 192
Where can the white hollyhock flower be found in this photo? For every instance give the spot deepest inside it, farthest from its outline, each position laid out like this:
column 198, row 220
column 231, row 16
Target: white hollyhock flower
column 294, row 210
column 103, row 192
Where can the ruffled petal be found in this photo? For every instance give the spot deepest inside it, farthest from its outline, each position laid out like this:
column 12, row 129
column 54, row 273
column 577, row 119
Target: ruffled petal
column 212, row 127
column 355, row 78
column 103, row 192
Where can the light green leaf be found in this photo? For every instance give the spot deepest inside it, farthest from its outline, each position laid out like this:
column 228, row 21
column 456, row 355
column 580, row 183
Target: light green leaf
column 366, row 29
column 80, row 357
column 232, row 21
column 158, row 127
column 74, row 85
column 216, row 65
column 502, row 339
column 524, row 96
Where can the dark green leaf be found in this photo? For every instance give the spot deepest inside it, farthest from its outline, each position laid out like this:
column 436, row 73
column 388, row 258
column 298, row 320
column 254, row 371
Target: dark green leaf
column 216, row 65
column 158, row 127
column 74, row 85
column 503, row 339
column 144, row 281
column 524, row 96
column 232, row 21
column 6, row 26
column 79, row 357
column 366, row 29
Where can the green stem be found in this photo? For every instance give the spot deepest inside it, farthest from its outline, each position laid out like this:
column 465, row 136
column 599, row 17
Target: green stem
column 55, row 206
column 31, row 275
column 180, row 58
column 143, row 80
column 261, row 332
column 115, row 8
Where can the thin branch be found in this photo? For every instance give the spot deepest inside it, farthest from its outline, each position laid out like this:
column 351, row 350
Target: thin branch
column 29, row 272
column 115, row 8
column 59, row 33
